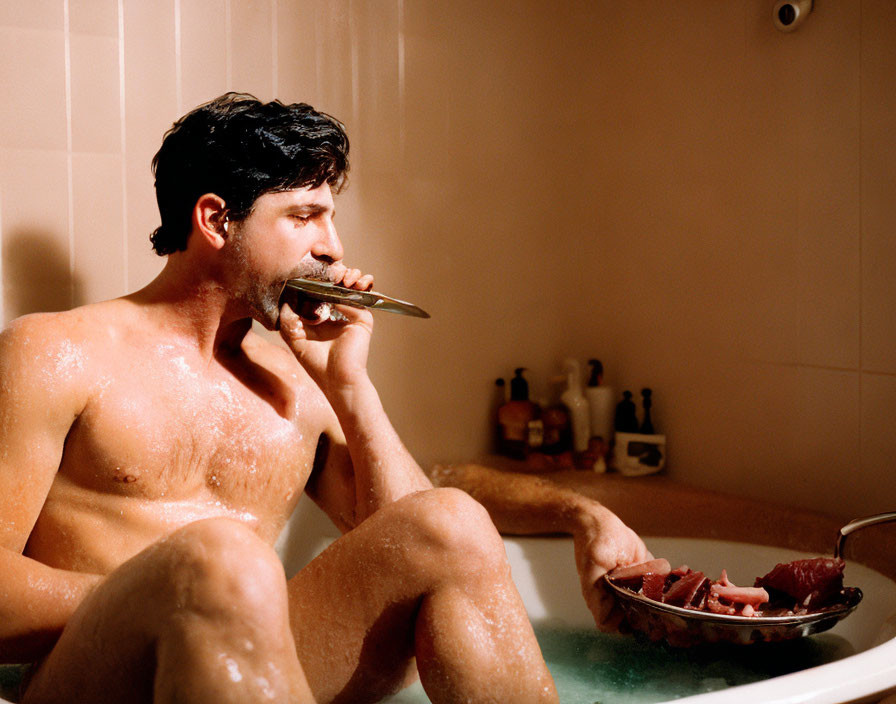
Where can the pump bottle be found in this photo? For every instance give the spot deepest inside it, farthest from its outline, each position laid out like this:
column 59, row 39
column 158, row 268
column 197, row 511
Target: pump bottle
column 575, row 401
column 514, row 417
column 601, row 404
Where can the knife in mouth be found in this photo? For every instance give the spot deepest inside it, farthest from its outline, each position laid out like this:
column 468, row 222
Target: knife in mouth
column 331, row 293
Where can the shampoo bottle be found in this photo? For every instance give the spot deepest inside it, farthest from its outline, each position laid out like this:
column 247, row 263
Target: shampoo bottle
column 575, row 401
column 514, row 417
column 557, row 438
column 601, row 405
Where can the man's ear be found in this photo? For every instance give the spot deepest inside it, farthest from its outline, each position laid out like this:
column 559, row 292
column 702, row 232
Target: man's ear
column 210, row 219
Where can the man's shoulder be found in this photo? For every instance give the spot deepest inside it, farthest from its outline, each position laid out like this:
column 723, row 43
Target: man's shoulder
column 41, row 331
column 65, row 338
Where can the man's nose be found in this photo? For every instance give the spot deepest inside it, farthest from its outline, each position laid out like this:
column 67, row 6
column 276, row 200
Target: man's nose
column 328, row 247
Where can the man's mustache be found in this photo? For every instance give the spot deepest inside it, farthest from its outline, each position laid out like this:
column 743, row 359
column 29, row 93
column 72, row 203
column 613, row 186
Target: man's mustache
column 320, row 271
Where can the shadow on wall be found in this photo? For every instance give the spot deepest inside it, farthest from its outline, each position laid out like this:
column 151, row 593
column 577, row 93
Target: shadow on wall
column 36, row 275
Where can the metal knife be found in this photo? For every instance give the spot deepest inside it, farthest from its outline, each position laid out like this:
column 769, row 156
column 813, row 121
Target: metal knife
column 331, row 293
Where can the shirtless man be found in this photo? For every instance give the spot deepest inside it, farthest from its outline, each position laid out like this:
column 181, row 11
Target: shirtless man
column 152, row 447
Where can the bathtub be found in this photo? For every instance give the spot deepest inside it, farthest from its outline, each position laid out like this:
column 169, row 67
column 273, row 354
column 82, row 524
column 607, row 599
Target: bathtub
column 858, row 654
column 861, row 648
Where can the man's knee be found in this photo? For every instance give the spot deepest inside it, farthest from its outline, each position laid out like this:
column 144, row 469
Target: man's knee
column 456, row 527
column 221, row 566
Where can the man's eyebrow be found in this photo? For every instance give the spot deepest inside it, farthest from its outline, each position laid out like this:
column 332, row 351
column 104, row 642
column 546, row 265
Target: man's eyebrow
column 311, row 209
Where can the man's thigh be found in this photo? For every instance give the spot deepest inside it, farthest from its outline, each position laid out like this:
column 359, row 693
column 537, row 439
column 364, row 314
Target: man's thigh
column 215, row 575
column 353, row 609
column 105, row 652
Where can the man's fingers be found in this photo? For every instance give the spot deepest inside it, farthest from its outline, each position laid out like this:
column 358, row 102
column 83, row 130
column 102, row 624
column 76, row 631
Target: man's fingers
column 291, row 327
column 353, row 278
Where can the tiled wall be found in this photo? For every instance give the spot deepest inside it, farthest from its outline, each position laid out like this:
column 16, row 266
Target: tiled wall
column 677, row 188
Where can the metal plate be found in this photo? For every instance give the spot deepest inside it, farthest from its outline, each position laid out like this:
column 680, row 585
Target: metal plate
column 686, row 627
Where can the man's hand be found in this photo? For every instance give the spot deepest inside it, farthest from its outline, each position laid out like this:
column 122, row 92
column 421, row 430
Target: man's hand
column 602, row 545
column 334, row 353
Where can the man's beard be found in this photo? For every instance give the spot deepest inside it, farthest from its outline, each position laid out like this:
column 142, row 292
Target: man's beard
column 260, row 300
column 265, row 301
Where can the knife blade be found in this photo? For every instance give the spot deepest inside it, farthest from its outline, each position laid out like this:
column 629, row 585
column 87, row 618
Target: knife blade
column 331, row 293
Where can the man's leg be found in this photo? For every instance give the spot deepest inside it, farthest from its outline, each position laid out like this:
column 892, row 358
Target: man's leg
column 201, row 616
column 428, row 577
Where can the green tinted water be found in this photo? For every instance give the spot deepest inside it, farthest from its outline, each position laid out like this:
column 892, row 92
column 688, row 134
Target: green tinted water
column 591, row 667
column 597, row 668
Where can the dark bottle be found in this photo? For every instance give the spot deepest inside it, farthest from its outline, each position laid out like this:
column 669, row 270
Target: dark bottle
column 647, row 425
column 514, row 417
column 626, row 419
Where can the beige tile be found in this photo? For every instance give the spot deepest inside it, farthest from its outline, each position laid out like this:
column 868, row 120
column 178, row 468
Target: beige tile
column 151, row 108
column 333, row 60
column 828, row 198
column 142, row 219
column 252, row 59
column 99, row 236
column 96, row 17
column 376, row 95
column 878, row 179
column 203, row 30
column 32, row 89
column 792, row 428
column 35, row 231
column 296, row 52
column 96, row 116
column 873, row 478
column 34, row 14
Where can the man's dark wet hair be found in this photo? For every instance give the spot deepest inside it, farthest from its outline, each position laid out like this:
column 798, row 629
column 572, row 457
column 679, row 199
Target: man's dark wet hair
column 239, row 148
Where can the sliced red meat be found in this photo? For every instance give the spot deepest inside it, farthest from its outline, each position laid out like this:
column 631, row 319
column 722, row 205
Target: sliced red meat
column 801, row 585
column 652, row 586
column 634, row 573
column 754, row 596
column 681, row 592
column 810, row 582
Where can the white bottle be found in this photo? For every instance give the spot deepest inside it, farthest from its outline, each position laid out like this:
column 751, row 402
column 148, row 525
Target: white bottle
column 575, row 401
column 601, row 404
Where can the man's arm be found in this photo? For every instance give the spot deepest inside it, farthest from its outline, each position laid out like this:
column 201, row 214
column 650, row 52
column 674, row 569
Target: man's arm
column 523, row 504
column 362, row 463
column 38, row 403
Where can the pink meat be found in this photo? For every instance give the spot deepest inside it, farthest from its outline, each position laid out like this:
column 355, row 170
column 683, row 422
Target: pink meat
column 683, row 591
column 754, row 596
column 807, row 584
column 635, row 573
column 653, row 585
column 810, row 582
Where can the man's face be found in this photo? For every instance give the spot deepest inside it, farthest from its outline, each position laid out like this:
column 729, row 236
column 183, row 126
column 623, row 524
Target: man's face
column 287, row 235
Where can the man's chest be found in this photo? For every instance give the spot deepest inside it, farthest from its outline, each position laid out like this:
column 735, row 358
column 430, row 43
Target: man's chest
column 169, row 431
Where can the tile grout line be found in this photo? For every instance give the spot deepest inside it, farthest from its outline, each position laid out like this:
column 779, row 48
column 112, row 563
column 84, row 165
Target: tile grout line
column 228, row 49
column 66, row 32
column 275, row 50
column 122, row 119
column 178, row 60
column 401, row 86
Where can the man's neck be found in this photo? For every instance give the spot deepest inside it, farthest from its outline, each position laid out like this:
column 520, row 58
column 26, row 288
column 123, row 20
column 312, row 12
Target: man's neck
column 194, row 307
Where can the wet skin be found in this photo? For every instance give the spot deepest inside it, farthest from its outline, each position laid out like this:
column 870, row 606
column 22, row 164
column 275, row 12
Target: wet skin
column 152, row 450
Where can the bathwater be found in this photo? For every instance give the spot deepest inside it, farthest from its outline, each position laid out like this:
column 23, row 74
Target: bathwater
column 590, row 667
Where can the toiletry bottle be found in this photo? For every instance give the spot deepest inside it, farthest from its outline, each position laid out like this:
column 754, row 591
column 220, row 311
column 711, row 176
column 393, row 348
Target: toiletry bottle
column 600, row 404
column 626, row 417
column 499, row 398
column 577, row 404
column 555, row 420
column 646, row 402
column 514, row 417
